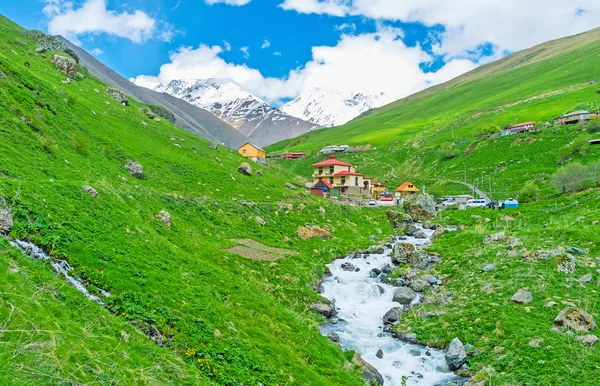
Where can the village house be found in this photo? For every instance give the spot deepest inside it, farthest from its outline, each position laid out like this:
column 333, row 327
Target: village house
column 293, row 156
column 334, row 149
column 377, row 189
column 334, row 178
column 524, row 127
column 574, row 117
column 252, row 152
column 405, row 190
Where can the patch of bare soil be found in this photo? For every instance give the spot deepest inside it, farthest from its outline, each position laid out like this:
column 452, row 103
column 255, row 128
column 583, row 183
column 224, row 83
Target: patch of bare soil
column 254, row 250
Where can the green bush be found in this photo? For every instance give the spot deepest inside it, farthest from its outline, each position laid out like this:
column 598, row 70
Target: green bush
column 570, row 178
column 529, row 193
column 594, row 126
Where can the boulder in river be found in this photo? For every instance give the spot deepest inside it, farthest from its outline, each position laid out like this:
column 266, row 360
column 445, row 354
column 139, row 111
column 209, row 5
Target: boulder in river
column 575, row 319
column 333, row 336
column 392, row 316
column 347, row 266
column 410, row 230
column 376, row 249
column 370, row 373
column 456, row 354
column 404, row 253
column 404, row 296
column 420, row 207
column 325, row 309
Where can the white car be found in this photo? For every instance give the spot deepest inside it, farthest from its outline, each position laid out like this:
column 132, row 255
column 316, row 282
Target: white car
column 449, row 203
column 476, row 203
column 372, row 202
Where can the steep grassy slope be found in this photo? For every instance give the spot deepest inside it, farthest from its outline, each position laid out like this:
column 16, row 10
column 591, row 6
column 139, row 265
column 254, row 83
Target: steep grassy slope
column 232, row 320
column 413, row 135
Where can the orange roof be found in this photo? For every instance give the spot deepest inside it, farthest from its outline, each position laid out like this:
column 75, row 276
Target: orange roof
column 407, row 187
column 330, row 162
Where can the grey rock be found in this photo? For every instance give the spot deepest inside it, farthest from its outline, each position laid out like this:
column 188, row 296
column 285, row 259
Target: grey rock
column 550, row 304
column 373, row 238
column 585, row 278
column 327, row 310
column 387, row 269
column 399, row 282
column 404, row 253
column 576, row 251
column 588, row 339
column 135, row 169
column 289, row 186
column 379, row 354
column 410, row 338
column 522, row 297
column 410, row 230
column 245, row 169
column 6, row 220
column 398, row 219
column 420, row 235
column 404, row 296
column 372, row 376
column 414, row 352
column 456, row 355
column 165, row 217
column 420, row 207
column 392, row 316
column 376, row 250
column 333, row 336
column 90, row 191
column 376, row 271
column 432, row 279
column 419, row 285
column 500, row 236
column 488, row 267
column 260, row 221
column 575, row 319
column 347, row 266
column 118, row 96
column 66, row 66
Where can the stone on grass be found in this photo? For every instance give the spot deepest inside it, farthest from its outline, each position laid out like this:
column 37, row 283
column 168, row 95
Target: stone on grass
column 165, row 217
column 410, row 230
column 118, row 96
column 500, row 236
column 585, row 278
column 535, row 342
column 418, row 284
column 90, row 191
column 245, row 169
column 488, row 267
column 576, row 251
column 260, row 221
column 575, row 319
column 404, row 296
column 135, row 169
column 404, row 253
column 588, row 339
column 327, row 310
column 522, row 297
column 289, row 186
column 456, row 355
column 66, row 66
column 6, row 220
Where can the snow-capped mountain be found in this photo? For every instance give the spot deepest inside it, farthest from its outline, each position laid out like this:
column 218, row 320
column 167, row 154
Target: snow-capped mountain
column 246, row 112
column 327, row 106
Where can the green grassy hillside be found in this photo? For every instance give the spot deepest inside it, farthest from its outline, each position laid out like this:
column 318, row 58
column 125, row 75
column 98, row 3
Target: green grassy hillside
column 413, row 137
column 232, row 320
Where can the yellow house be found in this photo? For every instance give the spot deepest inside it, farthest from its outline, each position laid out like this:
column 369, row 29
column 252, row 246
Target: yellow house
column 252, row 152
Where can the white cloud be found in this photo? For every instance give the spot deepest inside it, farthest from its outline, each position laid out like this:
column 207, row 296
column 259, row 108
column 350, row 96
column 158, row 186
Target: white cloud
column 93, row 17
column 228, row 2
column 508, row 24
column 277, row 53
column 266, row 44
column 96, row 51
column 226, row 45
column 372, row 61
column 246, row 51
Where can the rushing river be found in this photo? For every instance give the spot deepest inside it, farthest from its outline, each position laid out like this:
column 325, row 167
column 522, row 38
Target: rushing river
column 361, row 305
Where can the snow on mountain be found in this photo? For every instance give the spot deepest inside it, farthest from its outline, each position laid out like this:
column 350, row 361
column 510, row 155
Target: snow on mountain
column 327, row 106
column 241, row 109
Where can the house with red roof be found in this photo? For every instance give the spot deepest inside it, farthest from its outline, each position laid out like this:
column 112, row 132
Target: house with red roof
column 335, row 177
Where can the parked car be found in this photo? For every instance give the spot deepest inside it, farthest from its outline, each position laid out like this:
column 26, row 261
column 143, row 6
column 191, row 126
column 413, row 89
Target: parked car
column 449, row 203
column 476, row 203
column 372, row 202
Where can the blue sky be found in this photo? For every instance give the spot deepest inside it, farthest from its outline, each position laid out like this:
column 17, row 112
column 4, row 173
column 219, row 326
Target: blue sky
column 280, row 48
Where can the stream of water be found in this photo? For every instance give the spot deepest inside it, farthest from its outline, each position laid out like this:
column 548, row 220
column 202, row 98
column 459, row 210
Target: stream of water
column 360, row 307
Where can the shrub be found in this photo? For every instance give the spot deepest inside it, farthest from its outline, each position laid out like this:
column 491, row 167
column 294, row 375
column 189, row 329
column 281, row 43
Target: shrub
column 579, row 146
column 530, row 192
column 594, row 126
column 570, row 178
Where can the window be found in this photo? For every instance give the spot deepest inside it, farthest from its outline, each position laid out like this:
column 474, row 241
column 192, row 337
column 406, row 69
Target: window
column 331, row 180
column 355, row 181
column 331, row 169
column 320, row 171
column 343, row 178
column 244, row 151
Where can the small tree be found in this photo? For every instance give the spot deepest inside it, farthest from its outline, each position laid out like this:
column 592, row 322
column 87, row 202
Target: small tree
column 594, row 126
column 569, row 178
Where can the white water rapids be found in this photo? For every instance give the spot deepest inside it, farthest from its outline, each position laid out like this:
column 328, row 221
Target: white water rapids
column 360, row 307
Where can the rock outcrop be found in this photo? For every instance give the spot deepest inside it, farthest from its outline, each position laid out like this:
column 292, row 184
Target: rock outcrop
column 404, row 253
column 522, row 297
column 370, row 373
column 398, row 219
column 404, row 295
column 66, row 66
column 575, row 319
column 6, row 218
column 245, row 169
column 325, row 309
column 392, row 316
column 118, row 96
column 420, row 207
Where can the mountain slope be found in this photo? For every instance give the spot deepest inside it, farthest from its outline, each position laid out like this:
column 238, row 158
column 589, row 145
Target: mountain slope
column 191, row 118
column 247, row 113
column 185, row 308
column 329, row 107
column 450, row 131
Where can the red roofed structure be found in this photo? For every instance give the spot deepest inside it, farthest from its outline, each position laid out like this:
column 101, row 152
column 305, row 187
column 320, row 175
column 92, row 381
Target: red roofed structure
column 342, row 177
column 518, row 128
column 331, row 162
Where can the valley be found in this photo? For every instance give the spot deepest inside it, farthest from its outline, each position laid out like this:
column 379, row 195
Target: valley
column 141, row 245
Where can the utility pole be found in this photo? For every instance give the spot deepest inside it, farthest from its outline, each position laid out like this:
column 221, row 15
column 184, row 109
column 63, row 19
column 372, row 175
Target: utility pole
column 490, row 185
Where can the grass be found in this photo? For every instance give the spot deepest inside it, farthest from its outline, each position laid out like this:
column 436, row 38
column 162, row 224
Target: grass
column 233, row 320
